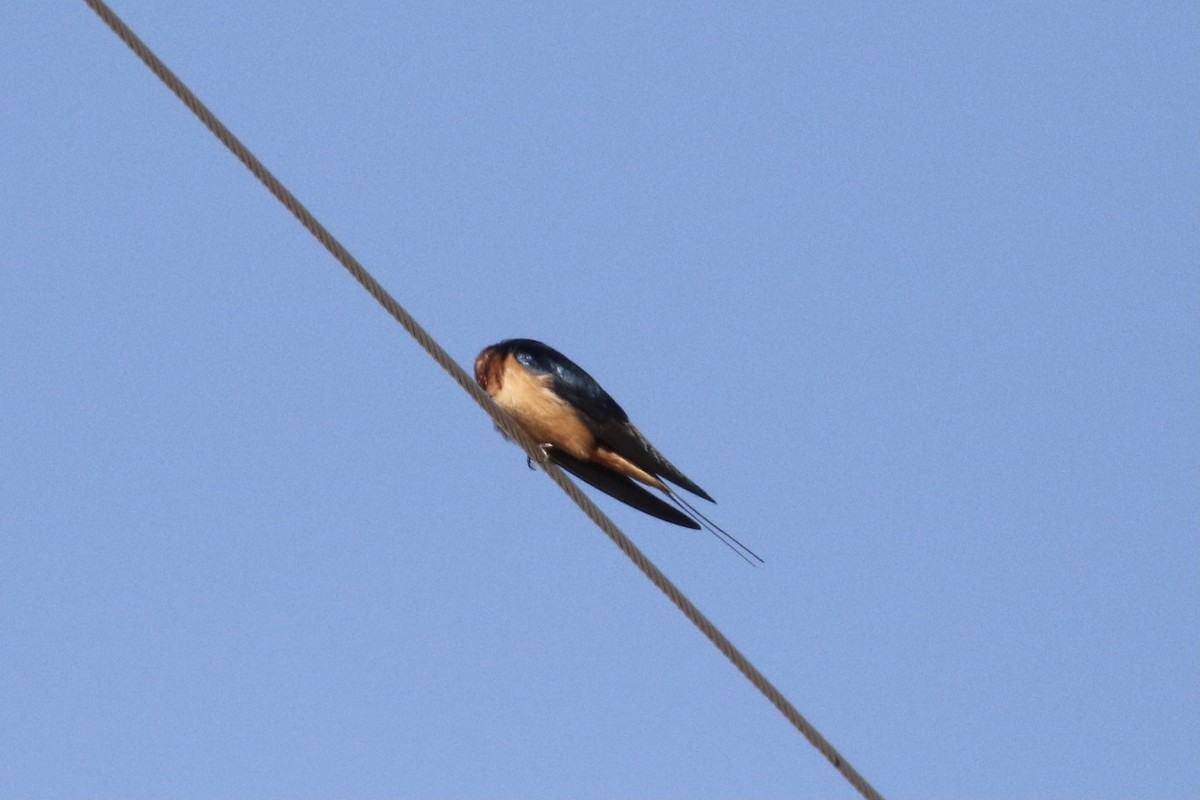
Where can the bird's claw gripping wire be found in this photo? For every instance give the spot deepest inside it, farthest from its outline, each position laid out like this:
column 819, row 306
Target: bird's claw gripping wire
column 543, row 455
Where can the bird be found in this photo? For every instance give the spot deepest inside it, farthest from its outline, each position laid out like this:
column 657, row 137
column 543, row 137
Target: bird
column 582, row 429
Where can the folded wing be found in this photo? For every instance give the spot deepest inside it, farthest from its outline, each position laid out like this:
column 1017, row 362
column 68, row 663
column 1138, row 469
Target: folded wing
column 620, row 487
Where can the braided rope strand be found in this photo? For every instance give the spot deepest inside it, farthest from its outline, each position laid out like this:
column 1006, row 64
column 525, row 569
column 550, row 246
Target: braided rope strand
column 502, row 419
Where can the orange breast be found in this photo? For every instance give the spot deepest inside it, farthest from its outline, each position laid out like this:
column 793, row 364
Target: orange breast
column 542, row 413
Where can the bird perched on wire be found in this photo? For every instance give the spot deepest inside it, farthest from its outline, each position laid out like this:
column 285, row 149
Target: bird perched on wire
column 583, row 430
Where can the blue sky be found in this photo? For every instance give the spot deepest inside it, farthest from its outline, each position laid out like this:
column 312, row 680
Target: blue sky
column 911, row 289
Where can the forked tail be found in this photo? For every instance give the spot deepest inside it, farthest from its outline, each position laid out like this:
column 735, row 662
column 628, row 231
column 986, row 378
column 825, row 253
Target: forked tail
column 725, row 537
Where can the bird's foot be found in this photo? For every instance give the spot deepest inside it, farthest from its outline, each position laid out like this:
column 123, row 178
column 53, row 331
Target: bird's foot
column 543, row 455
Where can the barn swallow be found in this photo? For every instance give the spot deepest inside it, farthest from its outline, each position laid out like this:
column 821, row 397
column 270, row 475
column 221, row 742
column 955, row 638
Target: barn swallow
column 582, row 429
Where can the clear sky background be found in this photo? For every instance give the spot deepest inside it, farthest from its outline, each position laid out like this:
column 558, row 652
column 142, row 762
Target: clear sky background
column 910, row 288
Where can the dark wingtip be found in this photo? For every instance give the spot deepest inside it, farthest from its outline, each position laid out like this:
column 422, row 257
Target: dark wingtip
column 622, row 488
column 679, row 479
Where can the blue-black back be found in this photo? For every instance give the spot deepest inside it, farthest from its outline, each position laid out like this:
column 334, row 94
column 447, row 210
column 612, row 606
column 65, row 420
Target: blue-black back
column 571, row 381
